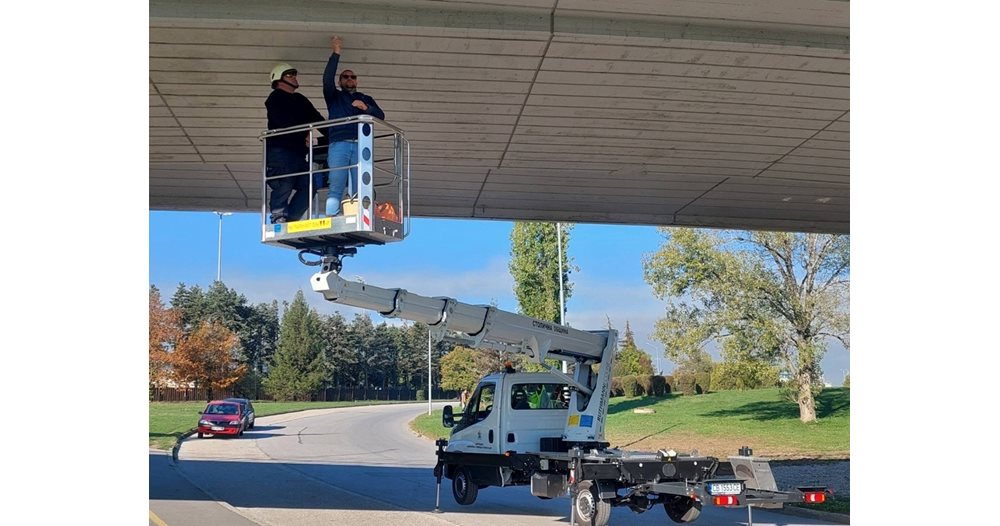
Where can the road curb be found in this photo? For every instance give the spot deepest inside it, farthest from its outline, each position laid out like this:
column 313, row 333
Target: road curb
column 838, row 518
column 176, row 450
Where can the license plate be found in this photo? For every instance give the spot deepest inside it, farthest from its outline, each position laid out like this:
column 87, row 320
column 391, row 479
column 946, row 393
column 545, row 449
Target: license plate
column 217, row 428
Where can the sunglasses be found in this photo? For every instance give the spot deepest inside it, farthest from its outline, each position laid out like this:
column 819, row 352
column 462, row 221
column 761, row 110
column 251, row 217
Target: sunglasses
column 352, row 77
column 291, row 74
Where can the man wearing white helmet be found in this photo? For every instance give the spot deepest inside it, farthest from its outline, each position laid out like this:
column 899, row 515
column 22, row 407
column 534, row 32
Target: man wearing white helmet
column 288, row 153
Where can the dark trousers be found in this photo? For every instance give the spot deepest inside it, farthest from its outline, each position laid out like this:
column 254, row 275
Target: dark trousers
column 289, row 195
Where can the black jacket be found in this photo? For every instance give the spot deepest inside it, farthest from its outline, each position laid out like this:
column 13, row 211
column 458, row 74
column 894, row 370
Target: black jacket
column 289, row 109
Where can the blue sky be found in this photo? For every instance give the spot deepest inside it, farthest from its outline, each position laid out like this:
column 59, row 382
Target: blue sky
column 464, row 259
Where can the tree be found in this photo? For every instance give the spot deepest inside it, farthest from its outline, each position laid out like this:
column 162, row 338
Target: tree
column 630, row 359
column 412, row 358
column 259, row 339
column 340, row 358
column 382, row 359
column 207, row 357
column 416, row 335
column 189, row 304
column 744, row 374
column 534, row 265
column 298, row 363
column 459, row 369
column 771, row 296
column 359, row 337
column 164, row 331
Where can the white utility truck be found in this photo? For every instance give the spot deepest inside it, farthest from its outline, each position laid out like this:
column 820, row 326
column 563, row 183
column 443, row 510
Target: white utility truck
column 543, row 430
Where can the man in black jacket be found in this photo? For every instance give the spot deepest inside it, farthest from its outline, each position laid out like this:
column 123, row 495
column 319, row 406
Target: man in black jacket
column 288, row 153
column 345, row 102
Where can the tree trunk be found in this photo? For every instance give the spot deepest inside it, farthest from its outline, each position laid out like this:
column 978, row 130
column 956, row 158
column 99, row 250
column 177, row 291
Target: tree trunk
column 807, row 405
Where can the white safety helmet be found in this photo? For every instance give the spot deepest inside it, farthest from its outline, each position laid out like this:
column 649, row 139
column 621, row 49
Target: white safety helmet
column 279, row 71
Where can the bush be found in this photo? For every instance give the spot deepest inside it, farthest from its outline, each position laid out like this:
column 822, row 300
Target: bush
column 660, row 385
column 616, row 387
column 421, row 394
column 847, row 381
column 743, row 375
column 684, row 382
column 645, row 382
column 691, row 383
column 631, row 386
column 702, row 382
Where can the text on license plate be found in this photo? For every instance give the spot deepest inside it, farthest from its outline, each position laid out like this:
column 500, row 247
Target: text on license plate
column 217, row 428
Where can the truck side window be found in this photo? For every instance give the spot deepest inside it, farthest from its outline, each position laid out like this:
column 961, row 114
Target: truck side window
column 538, row 396
column 485, row 403
column 479, row 406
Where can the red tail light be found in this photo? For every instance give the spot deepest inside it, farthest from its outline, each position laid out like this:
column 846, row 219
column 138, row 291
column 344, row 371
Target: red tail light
column 814, row 497
column 727, row 500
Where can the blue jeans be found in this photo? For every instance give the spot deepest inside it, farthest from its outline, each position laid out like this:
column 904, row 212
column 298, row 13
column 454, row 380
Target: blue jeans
column 283, row 204
column 341, row 153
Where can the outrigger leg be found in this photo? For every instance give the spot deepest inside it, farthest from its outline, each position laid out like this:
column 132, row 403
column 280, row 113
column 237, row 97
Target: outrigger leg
column 439, row 472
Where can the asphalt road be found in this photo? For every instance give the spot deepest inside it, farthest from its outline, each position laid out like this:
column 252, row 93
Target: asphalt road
column 358, row 466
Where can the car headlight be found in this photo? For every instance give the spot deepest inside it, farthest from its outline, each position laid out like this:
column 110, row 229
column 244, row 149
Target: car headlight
column 204, row 423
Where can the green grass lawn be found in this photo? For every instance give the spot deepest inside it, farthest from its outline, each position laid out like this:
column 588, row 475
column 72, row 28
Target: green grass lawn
column 718, row 424
column 169, row 420
column 837, row 505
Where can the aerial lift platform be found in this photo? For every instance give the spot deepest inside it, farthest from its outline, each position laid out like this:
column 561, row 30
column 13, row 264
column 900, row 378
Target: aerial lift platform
column 380, row 211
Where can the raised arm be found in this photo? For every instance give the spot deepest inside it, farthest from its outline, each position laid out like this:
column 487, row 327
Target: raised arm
column 330, row 73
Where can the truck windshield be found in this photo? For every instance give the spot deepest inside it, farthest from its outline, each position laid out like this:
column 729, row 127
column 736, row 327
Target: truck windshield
column 539, row 396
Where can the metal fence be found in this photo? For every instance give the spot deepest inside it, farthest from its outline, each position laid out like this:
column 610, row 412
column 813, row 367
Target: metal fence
column 330, row 394
column 184, row 394
column 337, row 394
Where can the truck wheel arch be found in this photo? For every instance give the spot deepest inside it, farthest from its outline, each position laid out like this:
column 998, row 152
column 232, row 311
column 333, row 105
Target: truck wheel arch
column 590, row 509
column 463, row 487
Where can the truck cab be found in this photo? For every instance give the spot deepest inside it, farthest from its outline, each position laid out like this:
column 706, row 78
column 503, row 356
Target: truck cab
column 510, row 412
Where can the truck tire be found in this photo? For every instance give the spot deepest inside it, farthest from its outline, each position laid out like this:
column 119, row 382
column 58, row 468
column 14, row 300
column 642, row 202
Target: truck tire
column 463, row 487
column 682, row 509
column 590, row 510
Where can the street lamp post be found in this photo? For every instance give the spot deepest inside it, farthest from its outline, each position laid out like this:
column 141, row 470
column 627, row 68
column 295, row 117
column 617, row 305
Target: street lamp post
column 562, row 306
column 218, row 272
column 430, row 377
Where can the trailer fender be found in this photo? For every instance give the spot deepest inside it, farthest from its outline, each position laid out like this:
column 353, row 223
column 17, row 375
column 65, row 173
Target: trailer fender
column 606, row 489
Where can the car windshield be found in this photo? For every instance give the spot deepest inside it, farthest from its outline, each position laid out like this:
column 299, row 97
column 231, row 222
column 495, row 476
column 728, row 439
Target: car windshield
column 222, row 409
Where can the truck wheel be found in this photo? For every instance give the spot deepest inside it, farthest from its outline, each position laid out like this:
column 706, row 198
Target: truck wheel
column 463, row 487
column 589, row 508
column 682, row 509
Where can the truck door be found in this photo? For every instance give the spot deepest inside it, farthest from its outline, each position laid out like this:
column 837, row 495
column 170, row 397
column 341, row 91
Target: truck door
column 478, row 432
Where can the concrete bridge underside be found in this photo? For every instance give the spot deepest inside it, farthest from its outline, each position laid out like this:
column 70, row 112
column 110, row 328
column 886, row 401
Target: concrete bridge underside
column 685, row 112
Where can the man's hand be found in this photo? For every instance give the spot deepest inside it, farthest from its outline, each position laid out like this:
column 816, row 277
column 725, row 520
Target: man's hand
column 335, row 44
column 360, row 104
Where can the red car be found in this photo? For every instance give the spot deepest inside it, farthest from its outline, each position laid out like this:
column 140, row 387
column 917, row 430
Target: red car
column 221, row 418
